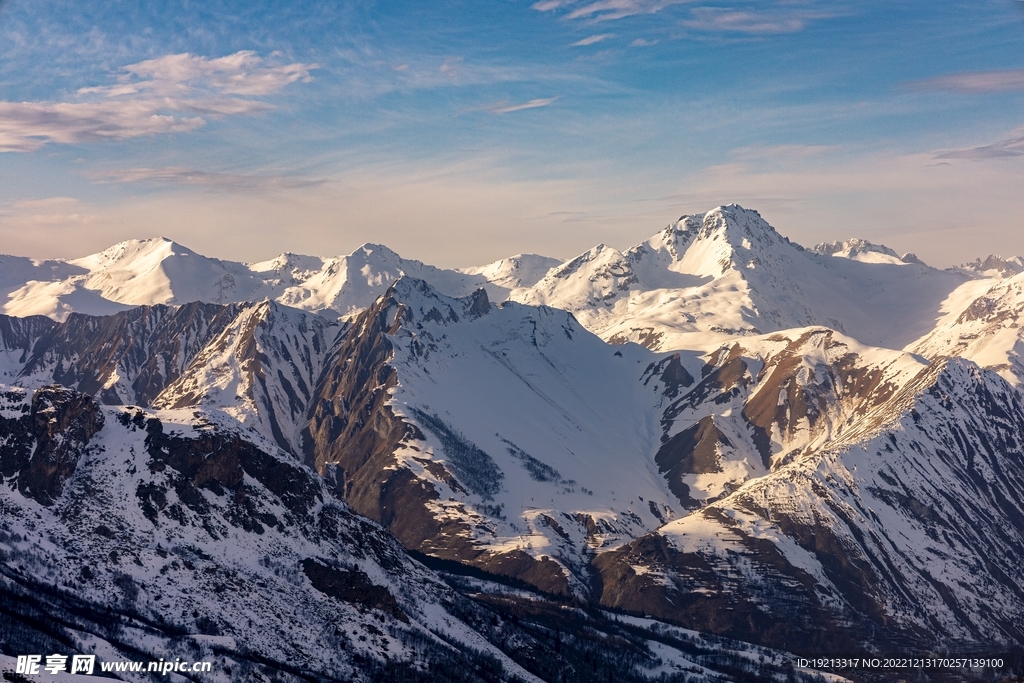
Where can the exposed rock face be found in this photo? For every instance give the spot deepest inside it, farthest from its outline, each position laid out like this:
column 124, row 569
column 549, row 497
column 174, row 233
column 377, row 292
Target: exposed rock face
column 762, row 402
column 124, row 358
column 19, row 335
column 263, row 366
column 220, row 463
column 351, row 424
column 17, row 433
column 758, row 597
column 883, row 537
column 355, row 432
column 62, row 422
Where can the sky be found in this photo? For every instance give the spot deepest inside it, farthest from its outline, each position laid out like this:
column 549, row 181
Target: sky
column 459, row 132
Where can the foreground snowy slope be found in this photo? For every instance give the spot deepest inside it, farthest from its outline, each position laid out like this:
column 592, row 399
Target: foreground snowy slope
column 119, row 525
column 141, row 535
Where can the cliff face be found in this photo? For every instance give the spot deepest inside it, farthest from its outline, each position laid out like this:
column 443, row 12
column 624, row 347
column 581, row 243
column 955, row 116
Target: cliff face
column 62, row 425
column 126, row 358
column 883, row 537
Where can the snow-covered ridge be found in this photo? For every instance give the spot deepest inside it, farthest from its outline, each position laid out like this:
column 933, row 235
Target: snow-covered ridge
column 700, row 282
column 994, row 266
column 160, row 271
column 712, row 277
column 862, row 250
column 893, row 518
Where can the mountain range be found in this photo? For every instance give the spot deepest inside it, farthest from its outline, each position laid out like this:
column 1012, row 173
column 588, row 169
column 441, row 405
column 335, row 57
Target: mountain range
column 716, row 437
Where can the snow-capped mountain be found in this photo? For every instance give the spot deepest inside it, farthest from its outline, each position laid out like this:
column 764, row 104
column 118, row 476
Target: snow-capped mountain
column 787, row 455
column 708, row 278
column 994, row 266
column 159, row 271
column 509, row 437
column 982, row 321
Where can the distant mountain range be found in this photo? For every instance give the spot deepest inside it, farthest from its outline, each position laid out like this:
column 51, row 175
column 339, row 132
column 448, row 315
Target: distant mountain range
column 717, row 430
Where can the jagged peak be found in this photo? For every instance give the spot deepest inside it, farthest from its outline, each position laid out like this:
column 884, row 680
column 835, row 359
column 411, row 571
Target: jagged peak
column 1006, row 267
column 852, row 247
column 372, row 249
column 738, row 226
column 423, row 303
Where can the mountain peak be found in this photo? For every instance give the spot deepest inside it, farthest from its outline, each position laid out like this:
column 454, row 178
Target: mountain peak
column 996, row 265
column 421, row 302
column 136, row 254
column 859, row 250
column 380, row 250
column 730, row 223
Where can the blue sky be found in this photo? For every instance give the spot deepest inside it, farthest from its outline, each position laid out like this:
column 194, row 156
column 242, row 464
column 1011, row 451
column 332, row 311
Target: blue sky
column 460, row 132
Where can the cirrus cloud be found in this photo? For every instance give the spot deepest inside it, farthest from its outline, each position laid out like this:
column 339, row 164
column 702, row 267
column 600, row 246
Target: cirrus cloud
column 176, row 175
column 504, row 107
column 169, row 94
column 765, row 22
column 590, row 40
column 1003, row 80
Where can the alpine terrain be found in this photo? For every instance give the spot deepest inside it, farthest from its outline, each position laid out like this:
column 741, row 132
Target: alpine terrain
column 697, row 459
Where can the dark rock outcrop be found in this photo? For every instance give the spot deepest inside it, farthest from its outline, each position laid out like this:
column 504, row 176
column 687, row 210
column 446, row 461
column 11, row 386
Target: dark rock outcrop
column 149, row 345
column 63, row 422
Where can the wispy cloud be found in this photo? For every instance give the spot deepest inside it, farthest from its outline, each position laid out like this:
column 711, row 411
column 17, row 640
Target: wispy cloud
column 48, row 212
column 975, row 82
column 764, row 18
column 242, row 73
column 604, row 10
column 170, row 94
column 175, row 175
column 1002, row 149
column 771, row 21
column 504, row 107
column 548, row 5
column 27, row 126
column 590, row 40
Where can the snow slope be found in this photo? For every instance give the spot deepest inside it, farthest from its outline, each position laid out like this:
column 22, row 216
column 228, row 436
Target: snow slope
column 159, row 271
column 888, row 534
column 982, row 321
column 165, row 535
column 727, row 273
column 519, row 437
